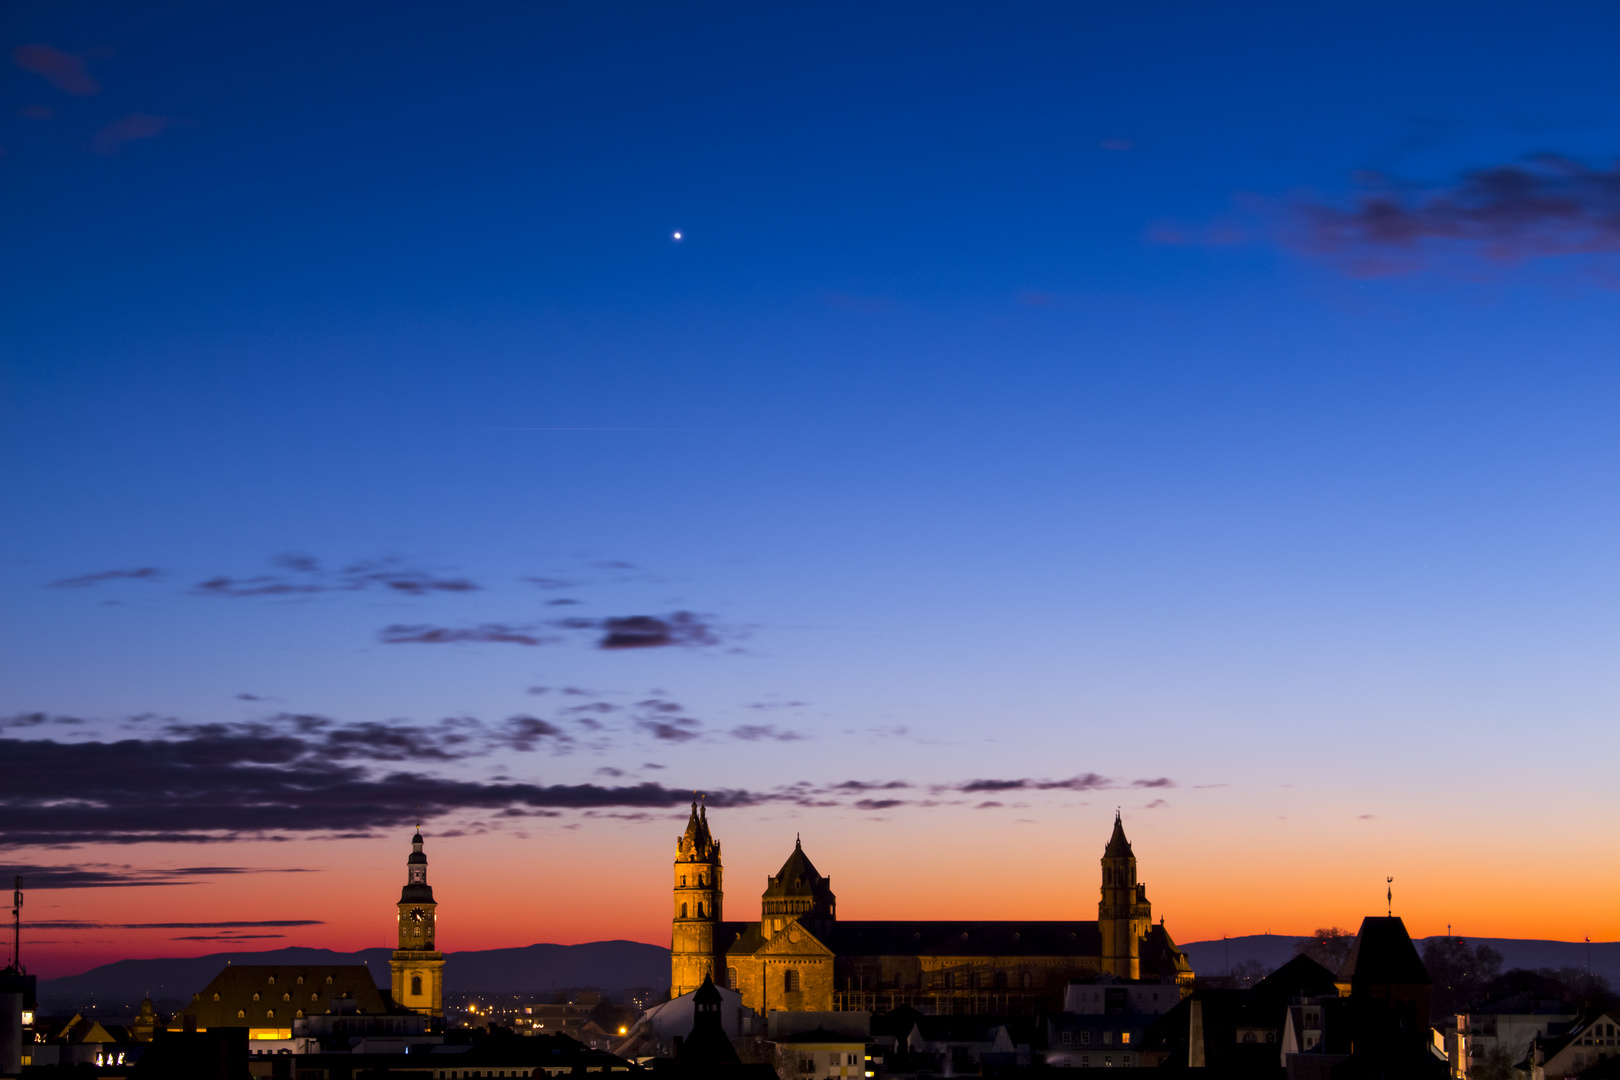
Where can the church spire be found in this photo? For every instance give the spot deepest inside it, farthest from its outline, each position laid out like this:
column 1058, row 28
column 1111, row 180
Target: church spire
column 1118, row 847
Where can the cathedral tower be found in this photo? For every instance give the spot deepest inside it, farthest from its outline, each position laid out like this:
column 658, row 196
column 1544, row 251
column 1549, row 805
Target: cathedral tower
column 797, row 891
column 1124, row 915
column 696, row 913
column 417, row 965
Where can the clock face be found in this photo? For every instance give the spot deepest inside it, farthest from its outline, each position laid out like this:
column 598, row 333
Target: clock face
column 416, row 915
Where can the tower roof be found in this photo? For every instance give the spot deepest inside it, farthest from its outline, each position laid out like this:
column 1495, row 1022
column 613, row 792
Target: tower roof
column 1383, row 954
column 798, row 876
column 708, row 993
column 697, row 838
column 1118, row 846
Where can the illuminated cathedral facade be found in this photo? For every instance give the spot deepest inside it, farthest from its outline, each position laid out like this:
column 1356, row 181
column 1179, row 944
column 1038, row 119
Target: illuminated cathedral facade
column 799, row 957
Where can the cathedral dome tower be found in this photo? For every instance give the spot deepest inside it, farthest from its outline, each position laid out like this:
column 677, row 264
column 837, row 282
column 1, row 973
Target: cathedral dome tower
column 797, row 891
column 417, row 965
column 697, row 899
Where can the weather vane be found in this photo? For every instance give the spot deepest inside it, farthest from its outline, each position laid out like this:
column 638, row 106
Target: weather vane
column 1389, row 895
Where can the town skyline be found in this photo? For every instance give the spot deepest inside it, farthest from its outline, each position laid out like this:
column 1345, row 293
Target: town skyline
column 922, row 428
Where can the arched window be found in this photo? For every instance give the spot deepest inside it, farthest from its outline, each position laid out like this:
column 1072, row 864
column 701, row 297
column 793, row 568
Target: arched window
column 700, row 881
column 683, row 911
column 255, row 996
column 300, row 980
column 416, row 986
column 286, row 997
column 299, row 1015
column 1026, row 980
column 269, row 1014
column 329, row 980
column 241, row 1015
column 731, row 977
column 272, row 980
column 216, row 997
column 700, row 909
column 790, row 980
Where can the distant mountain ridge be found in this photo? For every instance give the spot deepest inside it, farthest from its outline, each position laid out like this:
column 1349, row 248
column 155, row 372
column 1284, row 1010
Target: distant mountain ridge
column 615, row 965
column 1273, row 950
column 610, row 965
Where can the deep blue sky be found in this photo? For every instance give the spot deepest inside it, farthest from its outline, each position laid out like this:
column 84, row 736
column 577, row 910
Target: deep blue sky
column 1026, row 377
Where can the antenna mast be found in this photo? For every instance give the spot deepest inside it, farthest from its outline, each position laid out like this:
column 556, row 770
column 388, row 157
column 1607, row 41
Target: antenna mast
column 16, row 925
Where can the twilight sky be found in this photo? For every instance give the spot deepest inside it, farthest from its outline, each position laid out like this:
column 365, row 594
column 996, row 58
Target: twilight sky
column 1204, row 410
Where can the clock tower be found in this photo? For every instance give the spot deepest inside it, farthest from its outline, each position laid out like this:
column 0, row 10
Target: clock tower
column 417, row 965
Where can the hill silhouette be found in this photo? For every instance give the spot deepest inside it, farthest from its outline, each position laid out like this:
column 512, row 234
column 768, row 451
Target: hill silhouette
column 539, row 969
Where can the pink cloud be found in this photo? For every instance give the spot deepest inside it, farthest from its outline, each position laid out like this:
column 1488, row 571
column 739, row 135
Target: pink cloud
column 62, row 70
column 128, row 129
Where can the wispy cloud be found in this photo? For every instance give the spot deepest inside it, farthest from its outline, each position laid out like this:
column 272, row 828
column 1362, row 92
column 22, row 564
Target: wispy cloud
column 113, row 876
column 756, row 732
column 303, row 575
column 63, row 70
column 84, row 581
column 80, row 924
column 127, row 129
column 499, row 633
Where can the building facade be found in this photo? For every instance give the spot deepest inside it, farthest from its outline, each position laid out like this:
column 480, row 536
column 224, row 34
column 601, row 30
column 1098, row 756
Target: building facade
column 799, row 957
column 417, row 965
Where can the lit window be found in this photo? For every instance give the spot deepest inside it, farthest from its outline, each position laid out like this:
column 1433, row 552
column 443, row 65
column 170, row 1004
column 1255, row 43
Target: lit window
column 286, row 997
column 1124, row 1036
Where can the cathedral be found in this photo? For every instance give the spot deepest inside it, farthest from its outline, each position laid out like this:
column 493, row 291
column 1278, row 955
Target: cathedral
column 799, row 957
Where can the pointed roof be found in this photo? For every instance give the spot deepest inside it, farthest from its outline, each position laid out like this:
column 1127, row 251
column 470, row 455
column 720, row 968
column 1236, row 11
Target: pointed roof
column 697, row 837
column 707, row 1045
column 1383, row 955
column 708, row 993
column 798, row 876
column 1118, row 847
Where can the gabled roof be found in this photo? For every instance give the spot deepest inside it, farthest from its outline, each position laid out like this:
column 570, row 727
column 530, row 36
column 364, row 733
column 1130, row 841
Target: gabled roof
column 1383, row 955
column 286, row 991
column 1118, row 847
column 1298, row 976
column 1553, row 1045
column 783, row 943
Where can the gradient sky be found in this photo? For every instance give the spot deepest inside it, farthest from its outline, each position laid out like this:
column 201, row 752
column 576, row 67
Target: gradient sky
column 1204, row 410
